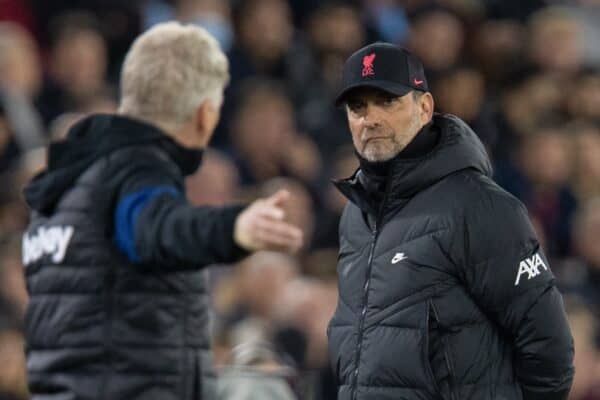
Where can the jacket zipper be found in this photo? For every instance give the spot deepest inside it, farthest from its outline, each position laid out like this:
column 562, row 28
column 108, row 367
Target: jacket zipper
column 449, row 365
column 363, row 313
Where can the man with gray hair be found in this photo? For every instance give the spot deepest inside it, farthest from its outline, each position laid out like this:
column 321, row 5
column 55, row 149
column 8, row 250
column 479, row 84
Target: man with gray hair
column 114, row 254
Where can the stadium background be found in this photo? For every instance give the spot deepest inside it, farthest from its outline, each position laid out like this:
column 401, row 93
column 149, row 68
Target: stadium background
column 524, row 74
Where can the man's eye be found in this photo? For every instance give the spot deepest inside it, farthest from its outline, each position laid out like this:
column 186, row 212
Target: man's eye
column 388, row 101
column 355, row 105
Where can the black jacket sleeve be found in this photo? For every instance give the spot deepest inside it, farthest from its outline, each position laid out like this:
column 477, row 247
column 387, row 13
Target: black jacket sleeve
column 509, row 277
column 162, row 228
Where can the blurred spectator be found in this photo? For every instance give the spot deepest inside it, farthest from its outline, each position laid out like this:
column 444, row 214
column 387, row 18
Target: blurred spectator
column 20, row 12
column 13, row 383
column 154, row 12
column 438, row 39
column 587, row 13
column 257, row 294
column 498, row 45
column 77, row 65
column 388, row 19
column 212, row 15
column 13, row 211
column 20, row 79
column 265, row 137
column 556, row 41
column 265, row 45
column 235, row 332
column 583, row 275
column 584, row 326
column 19, row 61
column 264, row 35
column 461, row 91
column 79, row 58
column 13, row 298
column 334, row 31
column 321, row 264
column 512, row 9
column 256, row 374
column 546, row 161
column 9, row 150
column 306, row 307
column 527, row 100
column 246, row 303
column 12, row 283
column 245, row 295
column 341, row 164
column 532, row 99
column 219, row 174
column 583, row 96
column 102, row 101
column 586, row 179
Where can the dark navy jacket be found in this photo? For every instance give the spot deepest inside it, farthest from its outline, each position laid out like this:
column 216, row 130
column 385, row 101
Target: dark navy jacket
column 114, row 259
column 444, row 291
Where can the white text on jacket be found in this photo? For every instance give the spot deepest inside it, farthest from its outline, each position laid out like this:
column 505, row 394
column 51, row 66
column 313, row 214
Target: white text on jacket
column 52, row 241
column 531, row 267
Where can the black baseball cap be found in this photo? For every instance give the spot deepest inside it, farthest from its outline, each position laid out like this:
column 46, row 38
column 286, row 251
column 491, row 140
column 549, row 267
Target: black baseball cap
column 383, row 66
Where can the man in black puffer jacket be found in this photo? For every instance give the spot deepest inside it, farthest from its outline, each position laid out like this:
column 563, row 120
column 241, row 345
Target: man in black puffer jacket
column 114, row 254
column 444, row 291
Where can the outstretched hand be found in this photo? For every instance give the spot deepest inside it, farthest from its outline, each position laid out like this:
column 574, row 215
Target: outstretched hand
column 262, row 226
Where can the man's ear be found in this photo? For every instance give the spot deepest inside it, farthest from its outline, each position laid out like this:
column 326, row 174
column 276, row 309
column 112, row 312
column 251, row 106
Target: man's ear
column 205, row 121
column 201, row 119
column 426, row 105
column 206, row 118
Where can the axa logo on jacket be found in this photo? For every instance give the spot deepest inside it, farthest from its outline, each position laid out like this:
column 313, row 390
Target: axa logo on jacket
column 531, row 267
column 47, row 241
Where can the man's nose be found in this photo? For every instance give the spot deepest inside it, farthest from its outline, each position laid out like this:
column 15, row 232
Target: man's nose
column 371, row 116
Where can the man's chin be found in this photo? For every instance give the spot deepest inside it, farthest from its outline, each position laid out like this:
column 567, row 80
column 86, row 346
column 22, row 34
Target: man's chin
column 378, row 154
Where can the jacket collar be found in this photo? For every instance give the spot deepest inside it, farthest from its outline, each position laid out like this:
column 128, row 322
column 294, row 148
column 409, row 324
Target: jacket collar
column 89, row 140
column 458, row 148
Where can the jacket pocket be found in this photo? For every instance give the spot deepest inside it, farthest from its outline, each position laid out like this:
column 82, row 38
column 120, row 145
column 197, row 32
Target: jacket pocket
column 430, row 349
column 439, row 361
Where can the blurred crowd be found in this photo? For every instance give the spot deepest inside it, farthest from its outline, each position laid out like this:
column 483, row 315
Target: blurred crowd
column 524, row 74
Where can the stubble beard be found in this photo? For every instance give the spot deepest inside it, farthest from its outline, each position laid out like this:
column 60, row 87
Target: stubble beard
column 382, row 149
column 388, row 148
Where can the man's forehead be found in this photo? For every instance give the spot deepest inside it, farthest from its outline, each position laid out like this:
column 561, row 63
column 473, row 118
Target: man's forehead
column 366, row 92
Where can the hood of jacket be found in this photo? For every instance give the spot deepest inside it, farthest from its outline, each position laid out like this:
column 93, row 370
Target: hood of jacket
column 87, row 141
column 458, row 148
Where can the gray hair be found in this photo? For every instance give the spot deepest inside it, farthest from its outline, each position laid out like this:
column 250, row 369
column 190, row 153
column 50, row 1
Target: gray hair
column 169, row 71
